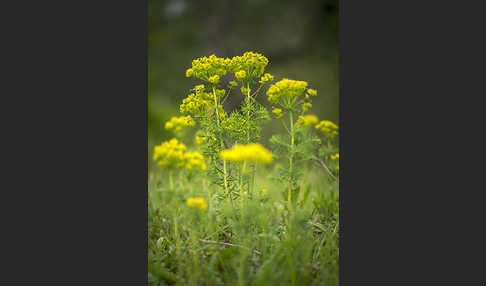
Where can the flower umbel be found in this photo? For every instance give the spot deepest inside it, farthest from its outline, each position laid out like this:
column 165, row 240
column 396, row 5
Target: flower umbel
column 251, row 152
column 286, row 90
column 194, row 161
column 327, row 127
column 178, row 123
column 308, row 120
column 199, row 203
column 170, row 154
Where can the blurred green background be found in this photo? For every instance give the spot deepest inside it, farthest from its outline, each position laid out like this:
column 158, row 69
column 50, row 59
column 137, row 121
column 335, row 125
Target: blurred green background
column 300, row 39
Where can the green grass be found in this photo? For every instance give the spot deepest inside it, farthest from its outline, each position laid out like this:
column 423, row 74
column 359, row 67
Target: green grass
column 252, row 241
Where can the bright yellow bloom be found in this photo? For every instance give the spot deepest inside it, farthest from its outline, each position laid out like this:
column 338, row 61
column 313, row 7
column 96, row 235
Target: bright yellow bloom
column 199, row 139
column 194, row 102
column 286, row 88
column 312, row 92
column 178, row 123
column 199, row 203
column 327, row 127
column 189, row 72
column 214, row 79
column 251, row 152
column 194, row 161
column 240, row 75
column 306, row 106
column 170, row 154
column 335, row 156
column 250, row 61
column 206, row 68
column 307, row 120
column 233, row 83
column 266, row 78
column 277, row 112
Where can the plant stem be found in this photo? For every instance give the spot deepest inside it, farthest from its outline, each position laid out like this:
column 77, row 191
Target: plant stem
column 171, row 182
column 225, row 174
column 248, row 137
column 291, row 159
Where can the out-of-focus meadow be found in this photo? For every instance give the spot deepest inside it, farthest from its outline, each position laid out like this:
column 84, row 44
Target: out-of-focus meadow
column 300, row 38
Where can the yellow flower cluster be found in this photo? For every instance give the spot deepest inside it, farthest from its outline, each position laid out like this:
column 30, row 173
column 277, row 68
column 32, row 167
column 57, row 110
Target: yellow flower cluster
column 194, row 161
column 312, row 92
column 306, row 106
column 266, row 78
column 277, row 112
column 199, row 139
column 178, row 123
column 206, row 68
column 170, row 154
column 195, row 101
column 308, row 120
column 254, row 63
column 335, row 157
column 240, row 75
column 214, row 79
column 250, row 152
column 286, row 88
column 327, row 127
column 199, row 203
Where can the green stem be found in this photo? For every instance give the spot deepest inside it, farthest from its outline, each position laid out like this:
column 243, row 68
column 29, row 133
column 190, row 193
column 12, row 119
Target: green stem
column 171, row 181
column 291, row 159
column 225, row 174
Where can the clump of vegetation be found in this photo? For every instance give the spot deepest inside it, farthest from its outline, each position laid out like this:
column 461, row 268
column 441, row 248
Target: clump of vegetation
column 220, row 222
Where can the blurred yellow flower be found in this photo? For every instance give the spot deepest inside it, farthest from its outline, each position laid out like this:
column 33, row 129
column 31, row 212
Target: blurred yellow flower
column 308, row 120
column 277, row 112
column 194, row 161
column 170, row 154
column 251, row 152
column 327, row 127
column 199, row 203
column 335, row 156
column 176, row 124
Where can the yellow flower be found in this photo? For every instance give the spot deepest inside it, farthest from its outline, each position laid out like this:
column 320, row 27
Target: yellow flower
column 307, row 120
column 266, row 78
column 263, row 191
column 306, row 106
column 250, row 61
column 206, row 68
column 189, row 72
column 199, row 203
column 327, row 127
column 335, row 157
column 251, row 152
column 233, row 83
column 240, row 75
column 199, row 139
column 194, row 161
column 214, row 79
column 286, row 88
column 170, row 154
column 194, row 102
column 311, row 92
column 277, row 112
column 178, row 123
